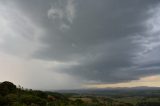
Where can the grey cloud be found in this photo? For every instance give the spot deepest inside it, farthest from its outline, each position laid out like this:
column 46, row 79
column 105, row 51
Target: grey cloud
column 103, row 35
column 100, row 38
column 18, row 33
column 94, row 24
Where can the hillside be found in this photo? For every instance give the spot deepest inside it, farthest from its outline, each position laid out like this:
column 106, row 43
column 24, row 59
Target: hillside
column 11, row 95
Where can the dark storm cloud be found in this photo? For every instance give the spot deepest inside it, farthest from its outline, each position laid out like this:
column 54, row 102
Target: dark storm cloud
column 95, row 24
column 101, row 36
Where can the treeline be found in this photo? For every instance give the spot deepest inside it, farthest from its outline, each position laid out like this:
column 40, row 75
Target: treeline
column 10, row 95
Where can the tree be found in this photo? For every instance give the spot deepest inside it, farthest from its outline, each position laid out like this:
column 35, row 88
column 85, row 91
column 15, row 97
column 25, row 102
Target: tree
column 6, row 88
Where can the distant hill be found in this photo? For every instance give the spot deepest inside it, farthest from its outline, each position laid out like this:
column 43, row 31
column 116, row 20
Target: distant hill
column 132, row 91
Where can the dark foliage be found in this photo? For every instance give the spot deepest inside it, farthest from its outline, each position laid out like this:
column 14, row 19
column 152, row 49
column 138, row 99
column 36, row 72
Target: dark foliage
column 6, row 88
column 148, row 103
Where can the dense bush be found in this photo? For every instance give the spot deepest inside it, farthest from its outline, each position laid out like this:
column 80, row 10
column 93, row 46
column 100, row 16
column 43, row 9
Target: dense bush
column 30, row 99
column 148, row 103
column 6, row 88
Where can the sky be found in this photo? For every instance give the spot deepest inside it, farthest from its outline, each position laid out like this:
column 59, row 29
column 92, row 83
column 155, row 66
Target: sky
column 73, row 44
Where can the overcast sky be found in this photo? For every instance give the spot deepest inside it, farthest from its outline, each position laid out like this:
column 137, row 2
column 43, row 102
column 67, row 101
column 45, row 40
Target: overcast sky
column 69, row 44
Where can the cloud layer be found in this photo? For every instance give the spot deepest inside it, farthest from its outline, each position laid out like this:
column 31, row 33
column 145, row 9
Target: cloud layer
column 87, row 41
